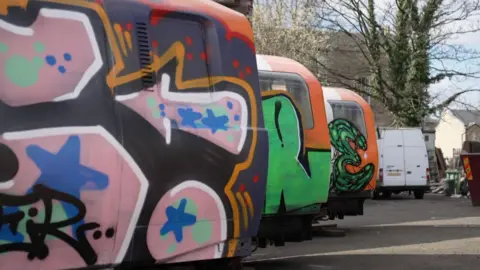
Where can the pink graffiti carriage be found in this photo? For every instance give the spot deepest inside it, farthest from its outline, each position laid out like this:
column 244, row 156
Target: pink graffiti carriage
column 129, row 133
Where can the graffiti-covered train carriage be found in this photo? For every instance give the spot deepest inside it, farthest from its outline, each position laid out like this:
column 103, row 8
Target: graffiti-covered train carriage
column 351, row 125
column 322, row 151
column 130, row 132
column 299, row 150
column 141, row 132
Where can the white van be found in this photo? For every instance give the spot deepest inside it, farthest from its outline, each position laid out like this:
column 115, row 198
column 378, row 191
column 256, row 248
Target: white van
column 403, row 162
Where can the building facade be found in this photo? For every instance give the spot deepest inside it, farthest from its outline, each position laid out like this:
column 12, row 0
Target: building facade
column 455, row 127
column 344, row 62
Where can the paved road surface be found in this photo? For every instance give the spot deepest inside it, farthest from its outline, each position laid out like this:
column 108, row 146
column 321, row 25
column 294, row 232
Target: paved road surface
column 400, row 233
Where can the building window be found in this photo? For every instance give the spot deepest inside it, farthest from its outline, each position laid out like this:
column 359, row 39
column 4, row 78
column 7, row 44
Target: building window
column 426, row 138
column 293, row 84
column 350, row 111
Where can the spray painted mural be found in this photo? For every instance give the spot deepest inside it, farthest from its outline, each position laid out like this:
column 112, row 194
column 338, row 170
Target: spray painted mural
column 105, row 159
column 347, row 140
column 298, row 176
column 299, row 153
column 354, row 145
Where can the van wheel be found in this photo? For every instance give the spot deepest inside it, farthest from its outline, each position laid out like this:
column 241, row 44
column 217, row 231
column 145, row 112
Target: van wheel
column 375, row 195
column 386, row 194
column 418, row 194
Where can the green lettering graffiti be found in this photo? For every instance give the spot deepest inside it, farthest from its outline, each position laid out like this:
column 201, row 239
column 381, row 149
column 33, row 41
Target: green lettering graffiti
column 296, row 178
column 342, row 134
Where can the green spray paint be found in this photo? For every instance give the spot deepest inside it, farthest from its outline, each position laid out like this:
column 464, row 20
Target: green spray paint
column 3, row 47
column 39, row 47
column 342, row 132
column 302, row 178
column 21, row 71
column 202, row 231
column 57, row 215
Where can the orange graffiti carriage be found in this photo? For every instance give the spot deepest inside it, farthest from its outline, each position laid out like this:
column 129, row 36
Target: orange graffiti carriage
column 354, row 151
column 299, row 150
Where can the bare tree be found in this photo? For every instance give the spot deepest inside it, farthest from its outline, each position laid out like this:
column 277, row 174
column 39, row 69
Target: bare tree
column 288, row 28
column 407, row 47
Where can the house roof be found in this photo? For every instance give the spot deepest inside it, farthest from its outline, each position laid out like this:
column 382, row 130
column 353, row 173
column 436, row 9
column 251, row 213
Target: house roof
column 429, row 124
column 468, row 117
column 431, row 120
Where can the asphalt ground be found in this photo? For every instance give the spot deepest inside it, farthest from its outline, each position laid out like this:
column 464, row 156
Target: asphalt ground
column 437, row 232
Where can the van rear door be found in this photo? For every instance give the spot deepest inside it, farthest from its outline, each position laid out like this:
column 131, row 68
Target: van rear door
column 416, row 159
column 393, row 158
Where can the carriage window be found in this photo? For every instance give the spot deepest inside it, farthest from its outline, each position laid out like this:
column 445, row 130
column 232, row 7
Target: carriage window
column 350, row 111
column 293, row 84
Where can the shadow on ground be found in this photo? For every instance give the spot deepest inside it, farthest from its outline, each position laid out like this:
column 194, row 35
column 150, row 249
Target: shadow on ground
column 396, row 197
column 371, row 237
column 405, row 197
column 402, row 208
column 371, row 262
column 426, row 239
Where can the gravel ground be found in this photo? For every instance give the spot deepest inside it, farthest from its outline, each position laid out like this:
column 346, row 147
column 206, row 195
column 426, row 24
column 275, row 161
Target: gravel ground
column 399, row 233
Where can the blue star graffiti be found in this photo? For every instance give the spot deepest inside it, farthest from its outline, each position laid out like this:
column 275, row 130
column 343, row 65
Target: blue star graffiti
column 63, row 172
column 210, row 121
column 177, row 219
column 214, row 122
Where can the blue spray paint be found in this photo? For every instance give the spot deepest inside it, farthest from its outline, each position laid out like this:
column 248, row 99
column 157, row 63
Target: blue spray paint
column 177, row 219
